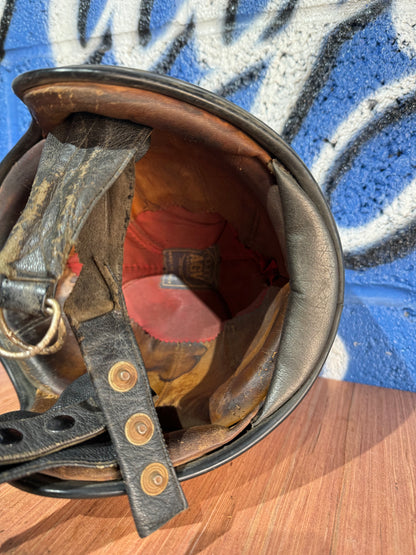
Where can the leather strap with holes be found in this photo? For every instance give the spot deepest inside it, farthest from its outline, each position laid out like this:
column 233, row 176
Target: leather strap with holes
column 82, row 197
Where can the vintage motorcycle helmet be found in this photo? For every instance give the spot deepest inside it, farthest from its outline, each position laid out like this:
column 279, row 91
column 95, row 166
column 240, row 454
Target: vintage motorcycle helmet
column 171, row 282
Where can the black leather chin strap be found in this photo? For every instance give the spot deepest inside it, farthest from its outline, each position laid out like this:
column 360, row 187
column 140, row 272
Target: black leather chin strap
column 82, row 196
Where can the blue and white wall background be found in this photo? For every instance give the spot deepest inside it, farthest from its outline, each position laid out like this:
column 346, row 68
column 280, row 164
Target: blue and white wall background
column 336, row 78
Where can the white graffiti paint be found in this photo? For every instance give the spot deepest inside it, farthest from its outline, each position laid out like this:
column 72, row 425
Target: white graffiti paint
column 126, row 47
column 402, row 211
column 369, row 109
column 293, row 54
column 63, row 32
column 394, row 218
column 289, row 55
column 122, row 18
column 404, row 20
column 2, row 6
column 336, row 365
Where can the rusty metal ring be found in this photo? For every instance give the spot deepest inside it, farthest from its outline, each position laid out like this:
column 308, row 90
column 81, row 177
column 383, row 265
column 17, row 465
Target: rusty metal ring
column 43, row 347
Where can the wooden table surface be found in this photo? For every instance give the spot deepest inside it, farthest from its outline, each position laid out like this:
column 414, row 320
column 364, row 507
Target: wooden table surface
column 338, row 476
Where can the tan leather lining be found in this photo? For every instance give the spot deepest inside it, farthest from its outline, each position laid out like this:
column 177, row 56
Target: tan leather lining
column 51, row 104
column 204, row 179
column 196, row 159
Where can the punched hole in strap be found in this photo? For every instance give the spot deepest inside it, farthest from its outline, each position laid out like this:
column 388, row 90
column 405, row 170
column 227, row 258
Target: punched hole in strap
column 10, row 436
column 60, row 423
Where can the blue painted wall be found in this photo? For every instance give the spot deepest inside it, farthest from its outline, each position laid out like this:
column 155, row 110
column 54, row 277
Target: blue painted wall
column 336, row 78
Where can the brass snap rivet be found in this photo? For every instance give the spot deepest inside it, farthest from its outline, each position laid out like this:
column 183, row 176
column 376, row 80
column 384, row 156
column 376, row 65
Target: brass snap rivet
column 122, row 376
column 154, row 479
column 139, row 429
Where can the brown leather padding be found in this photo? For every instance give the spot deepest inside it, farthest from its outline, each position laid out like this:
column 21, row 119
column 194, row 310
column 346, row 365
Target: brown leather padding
column 204, row 164
column 51, row 104
column 196, row 160
column 176, row 172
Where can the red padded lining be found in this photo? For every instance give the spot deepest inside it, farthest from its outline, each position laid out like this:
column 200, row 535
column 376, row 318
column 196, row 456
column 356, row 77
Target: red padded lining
column 188, row 314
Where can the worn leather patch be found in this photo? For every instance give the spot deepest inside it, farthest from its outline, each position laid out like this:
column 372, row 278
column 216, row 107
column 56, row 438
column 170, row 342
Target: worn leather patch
column 191, row 268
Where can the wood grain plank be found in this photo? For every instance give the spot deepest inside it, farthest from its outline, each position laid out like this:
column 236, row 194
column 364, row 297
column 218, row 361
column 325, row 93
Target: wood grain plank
column 338, row 476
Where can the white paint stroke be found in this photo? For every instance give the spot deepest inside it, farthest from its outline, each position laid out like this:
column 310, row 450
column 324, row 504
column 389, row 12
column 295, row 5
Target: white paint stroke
column 403, row 15
column 336, row 365
column 402, row 210
column 2, row 6
column 395, row 217
column 293, row 54
column 289, row 55
column 126, row 47
column 63, row 32
column 370, row 108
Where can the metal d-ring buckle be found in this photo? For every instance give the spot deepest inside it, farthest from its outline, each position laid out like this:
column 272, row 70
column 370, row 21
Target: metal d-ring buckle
column 57, row 324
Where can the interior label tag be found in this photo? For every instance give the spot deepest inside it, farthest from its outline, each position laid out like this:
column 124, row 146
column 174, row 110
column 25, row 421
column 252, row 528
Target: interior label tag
column 191, row 268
